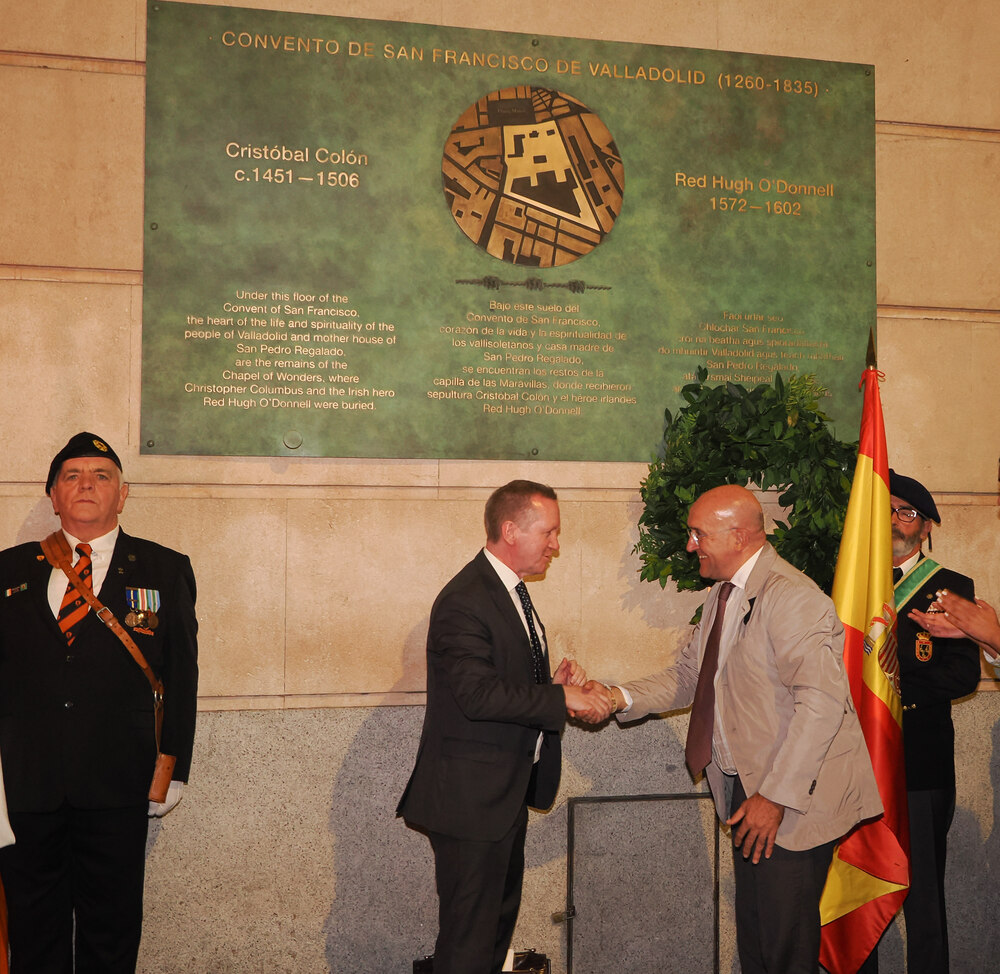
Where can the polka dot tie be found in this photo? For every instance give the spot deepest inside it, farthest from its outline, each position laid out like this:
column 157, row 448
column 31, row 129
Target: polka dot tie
column 537, row 657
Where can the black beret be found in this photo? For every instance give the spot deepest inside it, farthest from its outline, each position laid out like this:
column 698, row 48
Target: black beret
column 81, row 445
column 915, row 493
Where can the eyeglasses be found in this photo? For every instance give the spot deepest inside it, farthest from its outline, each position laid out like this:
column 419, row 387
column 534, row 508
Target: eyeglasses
column 905, row 514
column 697, row 536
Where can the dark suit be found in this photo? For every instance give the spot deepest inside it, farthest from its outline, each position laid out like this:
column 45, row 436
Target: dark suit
column 475, row 772
column 927, row 687
column 78, row 746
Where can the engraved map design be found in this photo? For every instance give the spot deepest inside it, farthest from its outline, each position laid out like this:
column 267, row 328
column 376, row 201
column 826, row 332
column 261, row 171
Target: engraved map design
column 533, row 176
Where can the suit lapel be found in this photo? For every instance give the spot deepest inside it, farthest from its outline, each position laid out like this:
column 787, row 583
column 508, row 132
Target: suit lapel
column 505, row 605
column 38, row 587
column 741, row 604
column 501, row 598
column 123, row 562
column 760, row 571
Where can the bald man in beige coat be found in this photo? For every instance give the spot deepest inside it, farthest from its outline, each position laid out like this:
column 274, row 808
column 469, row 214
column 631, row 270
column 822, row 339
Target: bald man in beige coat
column 789, row 769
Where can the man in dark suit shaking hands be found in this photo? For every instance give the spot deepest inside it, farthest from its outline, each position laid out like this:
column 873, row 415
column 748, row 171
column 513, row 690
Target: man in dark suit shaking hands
column 77, row 732
column 490, row 742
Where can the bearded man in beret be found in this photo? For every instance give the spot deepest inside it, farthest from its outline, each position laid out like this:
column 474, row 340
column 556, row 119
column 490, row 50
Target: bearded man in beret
column 933, row 671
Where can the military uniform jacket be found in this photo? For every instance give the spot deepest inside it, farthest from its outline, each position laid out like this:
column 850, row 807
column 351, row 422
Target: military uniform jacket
column 484, row 714
column 931, row 675
column 76, row 722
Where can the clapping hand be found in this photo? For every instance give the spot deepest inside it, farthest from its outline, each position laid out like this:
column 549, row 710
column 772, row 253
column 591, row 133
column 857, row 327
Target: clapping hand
column 954, row 616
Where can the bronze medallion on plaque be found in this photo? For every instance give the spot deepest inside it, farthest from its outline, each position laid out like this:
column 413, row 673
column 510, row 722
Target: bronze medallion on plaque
column 533, row 176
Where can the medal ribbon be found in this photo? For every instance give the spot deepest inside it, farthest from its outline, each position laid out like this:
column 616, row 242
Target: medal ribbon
column 143, row 599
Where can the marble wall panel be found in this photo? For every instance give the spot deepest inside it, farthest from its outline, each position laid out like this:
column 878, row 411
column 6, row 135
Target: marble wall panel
column 363, row 575
column 968, row 541
column 937, row 216
column 24, row 516
column 940, row 400
column 72, row 189
column 933, row 62
column 67, row 364
column 561, row 475
column 615, row 625
column 237, row 550
column 91, row 28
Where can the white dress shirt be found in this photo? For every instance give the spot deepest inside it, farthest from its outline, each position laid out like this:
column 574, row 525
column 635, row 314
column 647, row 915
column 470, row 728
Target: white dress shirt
column 102, row 549
column 510, row 580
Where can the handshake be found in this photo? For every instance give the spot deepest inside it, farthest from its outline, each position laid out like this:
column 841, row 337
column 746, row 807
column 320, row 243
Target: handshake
column 587, row 700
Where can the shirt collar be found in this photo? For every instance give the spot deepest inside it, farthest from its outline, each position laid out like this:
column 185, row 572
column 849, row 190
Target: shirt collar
column 508, row 576
column 742, row 574
column 910, row 562
column 102, row 547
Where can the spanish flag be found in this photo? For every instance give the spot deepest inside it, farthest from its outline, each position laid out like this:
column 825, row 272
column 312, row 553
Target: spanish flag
column 870, row 873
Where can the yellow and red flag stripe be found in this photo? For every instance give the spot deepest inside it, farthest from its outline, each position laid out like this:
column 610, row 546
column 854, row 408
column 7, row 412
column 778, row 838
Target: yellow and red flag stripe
column 870, row 873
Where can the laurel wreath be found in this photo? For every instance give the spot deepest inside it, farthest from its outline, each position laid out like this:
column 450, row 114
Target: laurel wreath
column 770, row 437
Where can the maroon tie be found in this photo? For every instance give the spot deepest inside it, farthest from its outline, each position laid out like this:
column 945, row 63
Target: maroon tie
column 698, row 750
column 74, row 607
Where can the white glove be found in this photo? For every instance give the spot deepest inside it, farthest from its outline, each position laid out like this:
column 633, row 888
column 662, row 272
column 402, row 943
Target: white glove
column 174, row 794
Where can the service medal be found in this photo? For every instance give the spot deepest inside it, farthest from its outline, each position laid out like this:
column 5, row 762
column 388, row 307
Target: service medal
column 144, row 603
column 924, row 648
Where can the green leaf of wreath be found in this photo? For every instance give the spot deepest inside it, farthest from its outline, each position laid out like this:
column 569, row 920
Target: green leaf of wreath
column 770, row 436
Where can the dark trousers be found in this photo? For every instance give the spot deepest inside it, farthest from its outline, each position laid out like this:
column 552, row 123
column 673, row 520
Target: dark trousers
column 74, row 881
column 479, row 894
column 777, row 906
column 931, row 812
